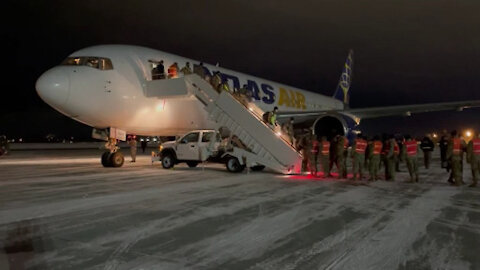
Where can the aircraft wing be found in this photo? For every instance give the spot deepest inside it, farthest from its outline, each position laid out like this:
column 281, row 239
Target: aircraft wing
column 407, row 110
column 377, row 112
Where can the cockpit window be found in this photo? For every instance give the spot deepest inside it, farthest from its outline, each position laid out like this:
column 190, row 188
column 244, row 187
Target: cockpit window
column 95, row 62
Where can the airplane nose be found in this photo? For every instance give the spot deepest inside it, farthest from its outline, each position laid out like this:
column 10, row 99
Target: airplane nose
column 53, row 87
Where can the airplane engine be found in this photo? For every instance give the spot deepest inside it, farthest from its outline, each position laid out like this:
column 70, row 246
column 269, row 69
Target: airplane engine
column 332, row 124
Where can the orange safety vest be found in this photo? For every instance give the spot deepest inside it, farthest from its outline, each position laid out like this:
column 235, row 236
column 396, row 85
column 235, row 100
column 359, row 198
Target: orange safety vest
column 314, row 146
column 172, row 71
column 411, row 147
column 325, row 147
column 476, row 146
column 360, row 146
column 377, row 147
column 457, row 146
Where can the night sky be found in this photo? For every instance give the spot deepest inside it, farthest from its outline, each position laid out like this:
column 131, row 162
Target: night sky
column 406, row 52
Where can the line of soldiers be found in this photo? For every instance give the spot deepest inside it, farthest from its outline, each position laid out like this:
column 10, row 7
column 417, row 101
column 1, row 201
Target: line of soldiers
column 370, row 153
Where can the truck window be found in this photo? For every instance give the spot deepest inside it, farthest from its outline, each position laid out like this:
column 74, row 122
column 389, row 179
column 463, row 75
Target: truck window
column 207, row 135
column 190, row 137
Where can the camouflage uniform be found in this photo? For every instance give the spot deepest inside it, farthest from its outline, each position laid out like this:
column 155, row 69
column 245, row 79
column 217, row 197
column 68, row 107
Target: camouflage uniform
column 358, row 157
column 455, row 155
column 374, row 159
column 324, row 156
column 410, row 154
column 473, row 157
column 340, row 157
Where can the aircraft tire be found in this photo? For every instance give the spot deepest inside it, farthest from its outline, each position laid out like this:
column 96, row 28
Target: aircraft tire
column 116, row 159
column 106, row 159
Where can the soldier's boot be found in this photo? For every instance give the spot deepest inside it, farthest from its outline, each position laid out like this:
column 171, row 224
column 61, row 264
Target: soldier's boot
column 474, row 184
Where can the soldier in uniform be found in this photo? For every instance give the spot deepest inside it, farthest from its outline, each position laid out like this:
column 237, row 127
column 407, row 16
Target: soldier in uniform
column 305, row 147
column 133, row 148
column 288, row 129
column 324, row 155
column 410, row 153
column 473, row 157
column 186, row 69
column 216, row 81
column 358, row 156
column 341, row 145
column 313, row 164
column 375, row 158
column 391, row 152
column 455, row 155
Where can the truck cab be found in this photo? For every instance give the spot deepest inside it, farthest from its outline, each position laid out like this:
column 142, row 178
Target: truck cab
column 191, row 148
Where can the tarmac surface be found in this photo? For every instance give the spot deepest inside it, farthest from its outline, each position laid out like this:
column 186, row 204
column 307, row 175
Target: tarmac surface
column 63, row 210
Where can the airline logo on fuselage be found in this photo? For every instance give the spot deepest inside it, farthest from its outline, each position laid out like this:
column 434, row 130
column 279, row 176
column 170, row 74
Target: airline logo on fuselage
column 265, row 93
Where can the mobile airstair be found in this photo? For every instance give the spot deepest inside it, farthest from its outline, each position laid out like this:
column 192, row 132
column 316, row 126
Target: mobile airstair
column 266, row 145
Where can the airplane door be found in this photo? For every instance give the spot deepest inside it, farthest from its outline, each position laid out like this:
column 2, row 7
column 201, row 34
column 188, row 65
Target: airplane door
column 187, row 148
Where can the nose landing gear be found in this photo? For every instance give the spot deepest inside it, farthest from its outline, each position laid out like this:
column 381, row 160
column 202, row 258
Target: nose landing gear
column 113, row 157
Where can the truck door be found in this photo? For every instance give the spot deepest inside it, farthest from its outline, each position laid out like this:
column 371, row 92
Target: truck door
column 187, row 147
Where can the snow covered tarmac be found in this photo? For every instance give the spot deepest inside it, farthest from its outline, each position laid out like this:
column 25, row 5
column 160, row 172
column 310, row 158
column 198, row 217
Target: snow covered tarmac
column 62, row 210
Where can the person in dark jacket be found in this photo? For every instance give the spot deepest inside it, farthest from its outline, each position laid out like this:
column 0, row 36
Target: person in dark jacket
column 427, row 147
column 443, row 152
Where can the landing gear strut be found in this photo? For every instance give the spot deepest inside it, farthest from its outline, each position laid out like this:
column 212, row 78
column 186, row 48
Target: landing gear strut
column 112, row 157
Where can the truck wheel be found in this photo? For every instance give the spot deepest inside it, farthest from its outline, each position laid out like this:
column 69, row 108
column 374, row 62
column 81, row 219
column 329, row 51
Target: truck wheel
column 233, row 165
column 168, row 161
column 116, row 159
column 192, row 164
column 106, row 159
column 257, row 168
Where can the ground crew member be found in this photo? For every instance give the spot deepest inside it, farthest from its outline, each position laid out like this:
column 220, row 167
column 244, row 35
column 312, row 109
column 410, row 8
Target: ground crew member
column 173, row 71
column 186, row 69
column 409, row 153
column 391, row 154
column 341, row 145
column 288, row 129
column 358, row 156
column 133, row 148
column 473, row 157
column 324, row 155
column 313, row 154
column 374, row 155
column 427, row 147
column 455, row 154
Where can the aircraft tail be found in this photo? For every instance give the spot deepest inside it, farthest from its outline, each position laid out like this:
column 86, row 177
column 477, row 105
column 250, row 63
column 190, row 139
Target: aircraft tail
column 341, row 93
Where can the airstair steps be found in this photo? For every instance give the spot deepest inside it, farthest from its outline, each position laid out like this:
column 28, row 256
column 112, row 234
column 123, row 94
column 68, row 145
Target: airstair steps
column 268, row 147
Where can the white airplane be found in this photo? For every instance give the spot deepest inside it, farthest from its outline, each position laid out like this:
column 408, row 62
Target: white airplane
column 112, row 86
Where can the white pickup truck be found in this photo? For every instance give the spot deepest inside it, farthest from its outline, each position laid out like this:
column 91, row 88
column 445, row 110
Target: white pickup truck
column 199, row 146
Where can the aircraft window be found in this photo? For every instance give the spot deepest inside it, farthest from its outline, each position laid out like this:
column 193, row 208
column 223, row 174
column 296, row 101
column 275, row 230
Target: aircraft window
column 207, row 135
column 95, row 62
column 191, row 137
